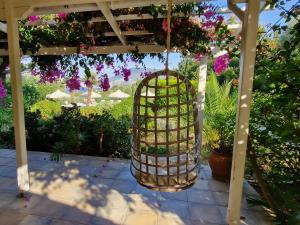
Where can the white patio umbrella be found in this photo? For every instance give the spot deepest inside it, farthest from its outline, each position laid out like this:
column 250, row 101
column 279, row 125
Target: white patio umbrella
column 118, row 94
column 149, row 93
column 58, row 95
column 94, row 95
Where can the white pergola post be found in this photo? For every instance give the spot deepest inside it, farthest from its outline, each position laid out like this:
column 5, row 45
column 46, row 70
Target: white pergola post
column 17, row 94
column 247, row 63
column 201, row 94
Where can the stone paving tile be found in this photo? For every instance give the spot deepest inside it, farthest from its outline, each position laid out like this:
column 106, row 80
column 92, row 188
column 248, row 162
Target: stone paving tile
column 137, row 202
column 144, row 218
column 125, row 175
column 203, row 197
column 179, row 208
column 64, row 222
column 215, row 185
column 146, row 192
column 181, row 195
column 172, row 219
column 108, row 216
column 205, row 213
column 8, row 171
column 8, row 184
column 109, row 173
column 124, row 186
column 7, row 161
column 75, row 215
column 201, row 185
column 35, row 220
column 11, row 218
column 82, row 190
column 6, row 199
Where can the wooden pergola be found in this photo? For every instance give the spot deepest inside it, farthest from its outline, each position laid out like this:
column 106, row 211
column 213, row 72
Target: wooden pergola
column 13, row 10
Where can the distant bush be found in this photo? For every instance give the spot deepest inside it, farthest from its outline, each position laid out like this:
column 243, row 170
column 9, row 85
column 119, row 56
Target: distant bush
column 91, row 110
column 47, row 108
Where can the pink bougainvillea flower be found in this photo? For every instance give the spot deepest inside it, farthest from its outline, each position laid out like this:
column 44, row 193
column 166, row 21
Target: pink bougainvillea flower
column 221, row 63
column 145, row 74
column 116, row 72
column 104, row 83
column 3, row 91
column 126, row 73
column 33, row 18
column 198, row 57
column 50, row 75
column 208, row 24
column 209, row 14
column 73, row 83
column 220, row 19
column 62, row 16
column 88, row 83
column 99, row 67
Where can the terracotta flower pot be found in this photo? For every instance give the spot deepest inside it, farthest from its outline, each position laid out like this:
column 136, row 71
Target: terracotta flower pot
column 220, row 164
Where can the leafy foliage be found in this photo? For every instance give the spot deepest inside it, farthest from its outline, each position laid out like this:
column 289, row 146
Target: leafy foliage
column 219, row 115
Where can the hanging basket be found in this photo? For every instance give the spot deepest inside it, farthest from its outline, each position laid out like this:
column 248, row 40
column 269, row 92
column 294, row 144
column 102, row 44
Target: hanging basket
column 165, row 145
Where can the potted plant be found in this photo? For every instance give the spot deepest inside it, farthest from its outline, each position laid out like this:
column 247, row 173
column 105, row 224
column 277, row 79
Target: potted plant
column 219, row 120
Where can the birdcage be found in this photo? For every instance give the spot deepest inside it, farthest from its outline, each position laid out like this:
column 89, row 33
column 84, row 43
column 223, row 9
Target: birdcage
column 165, row 144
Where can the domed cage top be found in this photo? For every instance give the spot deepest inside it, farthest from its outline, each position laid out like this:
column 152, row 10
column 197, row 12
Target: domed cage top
column 165, row 145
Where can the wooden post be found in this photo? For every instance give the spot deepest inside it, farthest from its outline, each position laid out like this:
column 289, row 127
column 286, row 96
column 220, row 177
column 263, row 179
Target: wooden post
column 201, row 94
column 247, row 63
column 17, row 94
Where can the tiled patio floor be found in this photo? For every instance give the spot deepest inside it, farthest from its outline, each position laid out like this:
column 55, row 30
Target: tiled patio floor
column 100, row 191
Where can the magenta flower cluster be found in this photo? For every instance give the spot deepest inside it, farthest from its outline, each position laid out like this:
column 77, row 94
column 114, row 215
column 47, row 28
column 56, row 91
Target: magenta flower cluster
column 88, row 83
column 3, row 92
column 221, row 63
column 126, row 73
column 62, row 16
column 104, row 82
column 198, row 57
column 73, row 83
column 51, row 75
column 33, row 18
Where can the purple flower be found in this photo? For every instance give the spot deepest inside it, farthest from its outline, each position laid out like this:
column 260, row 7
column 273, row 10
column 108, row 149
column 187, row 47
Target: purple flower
column 221, row 63
column 220, row 19
column 3, row 91
column 62, row 16
column 126, row 73
column 99, row 67
column 88, row 83
column 116, row 72
column 208, row 24
column 198, row 57
column 104, row 83
column 145, row 74
column 50, row 74
column 73, row 83
column 208, row 14
column 33, row 18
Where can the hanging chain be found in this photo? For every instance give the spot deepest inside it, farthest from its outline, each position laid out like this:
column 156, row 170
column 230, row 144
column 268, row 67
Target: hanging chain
column 168, row 32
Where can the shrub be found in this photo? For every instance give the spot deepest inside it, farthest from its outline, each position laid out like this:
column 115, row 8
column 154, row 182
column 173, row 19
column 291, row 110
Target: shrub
column 91, row 110
column 47, row 108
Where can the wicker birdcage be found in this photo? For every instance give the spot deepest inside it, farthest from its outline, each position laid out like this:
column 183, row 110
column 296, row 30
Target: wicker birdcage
column 165, row 145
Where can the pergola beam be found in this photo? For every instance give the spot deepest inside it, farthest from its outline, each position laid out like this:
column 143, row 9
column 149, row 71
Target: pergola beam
column 247, row 64
column 111, row 20
column 17, row 95
column 117, row 49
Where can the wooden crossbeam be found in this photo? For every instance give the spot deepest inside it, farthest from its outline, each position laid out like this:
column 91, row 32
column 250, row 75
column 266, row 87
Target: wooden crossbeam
column 117, row 49
column 112, row 21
